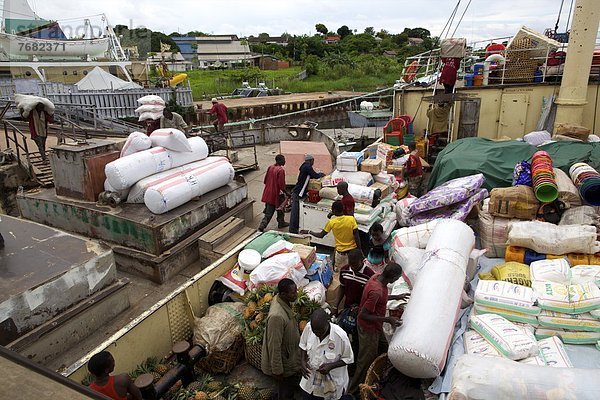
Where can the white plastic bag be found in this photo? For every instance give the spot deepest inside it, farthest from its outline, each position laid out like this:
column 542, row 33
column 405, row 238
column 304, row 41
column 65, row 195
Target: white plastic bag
column 279, row 247
column 477, row 378
column 151, row 108
column 510, row 340
column 361, row 193
column 126, row 171
column 171, row 139
column 553, row 352
column 556, row 270
column 402, row 214
column 274, row 269
column 585, row 273
column 151, row 99
column 357, row 178
column 547, row 238
column 136, row 141
column 315, row 291
column 569, row 299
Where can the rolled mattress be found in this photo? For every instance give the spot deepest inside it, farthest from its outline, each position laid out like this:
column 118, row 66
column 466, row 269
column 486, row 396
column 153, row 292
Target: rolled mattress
column 136, row 194
column 126, row 171
column 420, row 346
column 178, row 190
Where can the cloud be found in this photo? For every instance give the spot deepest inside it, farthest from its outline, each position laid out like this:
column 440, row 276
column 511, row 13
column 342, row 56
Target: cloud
column 243, row 17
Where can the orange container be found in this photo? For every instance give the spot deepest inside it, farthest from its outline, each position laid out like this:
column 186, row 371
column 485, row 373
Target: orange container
column 514, row 253
column 478, row 80
column 422, row 147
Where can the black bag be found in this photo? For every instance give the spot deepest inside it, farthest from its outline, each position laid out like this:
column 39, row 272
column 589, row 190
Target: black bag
column 551, row 212
column 348, row 320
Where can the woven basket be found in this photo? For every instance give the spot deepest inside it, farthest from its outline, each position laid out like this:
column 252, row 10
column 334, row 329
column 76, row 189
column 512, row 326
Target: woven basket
column 223, row 362
column 253, row 353
column 374, row 375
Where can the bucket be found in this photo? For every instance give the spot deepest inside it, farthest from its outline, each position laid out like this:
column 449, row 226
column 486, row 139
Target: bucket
column 478, row 80
column 538, row 76
column 546, row 192
column 468, row 79
column 478, row 69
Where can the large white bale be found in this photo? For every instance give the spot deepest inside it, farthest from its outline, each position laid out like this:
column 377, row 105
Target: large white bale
column 477, row 377
column 26, row 103
column 179, row 190
column 136, row 141
column 126, row 171
column 136, row 194
column 419, row 348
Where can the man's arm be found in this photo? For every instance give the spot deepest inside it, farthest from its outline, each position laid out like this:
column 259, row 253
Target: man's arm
column 281, row 181
column 314, row 174
column 357, row 238
column 132, row 390
column 339, row 297
column 49, row 118
column 319, row 235
column 367, row 312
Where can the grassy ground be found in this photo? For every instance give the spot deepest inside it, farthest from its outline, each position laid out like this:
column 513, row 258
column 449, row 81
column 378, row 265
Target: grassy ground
column 205, row 84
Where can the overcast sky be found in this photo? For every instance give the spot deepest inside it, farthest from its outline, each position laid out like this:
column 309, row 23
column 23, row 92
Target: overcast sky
column 484, row 19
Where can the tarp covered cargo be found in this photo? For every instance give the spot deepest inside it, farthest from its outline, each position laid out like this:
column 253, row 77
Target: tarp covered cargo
column 496, row 159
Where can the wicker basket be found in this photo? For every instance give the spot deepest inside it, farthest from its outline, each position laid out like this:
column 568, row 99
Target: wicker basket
column 374, row 375
column 223, row 362
column 253, row 353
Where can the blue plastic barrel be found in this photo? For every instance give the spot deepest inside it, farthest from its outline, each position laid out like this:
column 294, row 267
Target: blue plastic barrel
column 538, row 76
column 478, row 69
column 469, row 79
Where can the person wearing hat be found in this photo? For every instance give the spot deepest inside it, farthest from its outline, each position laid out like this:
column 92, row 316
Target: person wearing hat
column 307, row 173
column 220, row 110
column 171, row 119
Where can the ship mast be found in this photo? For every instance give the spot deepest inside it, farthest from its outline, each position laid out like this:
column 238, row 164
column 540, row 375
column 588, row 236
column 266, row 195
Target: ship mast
column 572, row 97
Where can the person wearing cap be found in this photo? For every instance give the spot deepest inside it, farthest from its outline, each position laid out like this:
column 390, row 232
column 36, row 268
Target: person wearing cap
column 172, row 120
column 220, row 110
column 307, row 173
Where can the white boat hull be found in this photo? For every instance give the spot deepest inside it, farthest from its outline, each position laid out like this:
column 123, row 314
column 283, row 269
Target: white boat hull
column 25, row 48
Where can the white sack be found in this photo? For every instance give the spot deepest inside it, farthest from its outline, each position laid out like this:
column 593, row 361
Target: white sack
column 170, row 139
column 362, row 194
column 475, row 344
column 569, row 299
column 419, row 348
column 554, row 270
column 385, row 178
column 567, row 192
column 136, row 141
column 510, row 340
column 150, row 115
column 122, row 193
column 585, row 273
column 151, row 108
column 125, row 172
column 506, row 295
column 553, row 352
column 316, row 291
column 171, row 194
column 274, row 269
column 136, row 194
column 493, row 232
column 584, row 215
column 476, row 378
column 402, row 214
column 415, row 236
column 537, row 137
column 358, row 178
column 151, row 99
column 26, row 103
column 547, row 238
column 280, row 246
column 409, row 258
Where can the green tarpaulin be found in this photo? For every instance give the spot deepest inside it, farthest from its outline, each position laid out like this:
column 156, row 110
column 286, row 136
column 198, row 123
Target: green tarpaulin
column 497, row 159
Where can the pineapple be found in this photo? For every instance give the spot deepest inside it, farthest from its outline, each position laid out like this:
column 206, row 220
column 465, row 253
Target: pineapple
column 156, row 376
column 265, row 394
column 195, row 386
column 214, row 386
column 161, row 369
column 253, row 325
column 302, row 324
column 175, row 388
column 259, row 317
column 247, row 393
column 250, row 310
column 267, row 298
column 201, row 396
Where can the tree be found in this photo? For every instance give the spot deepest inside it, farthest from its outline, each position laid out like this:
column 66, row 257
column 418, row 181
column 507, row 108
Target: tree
column 369, row 30
column 322, row 29
column 344, row 31
column 196, row 33
column 421, row 33
column 263, row 37
column 175, row 34
column 360, row 43
column 383, row 34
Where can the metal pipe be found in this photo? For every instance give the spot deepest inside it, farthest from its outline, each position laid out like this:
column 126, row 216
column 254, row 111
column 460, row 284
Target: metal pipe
column 497, row 58
column 572, row 97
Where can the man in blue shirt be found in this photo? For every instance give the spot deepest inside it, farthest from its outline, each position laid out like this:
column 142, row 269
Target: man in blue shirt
column 307, row 173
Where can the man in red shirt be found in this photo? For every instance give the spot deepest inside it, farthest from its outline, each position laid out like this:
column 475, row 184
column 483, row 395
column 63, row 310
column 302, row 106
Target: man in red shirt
column 353, row 278
column 371, row 316
column 449, row 72
column 414, row 171
column 38, row 120
column 220, row 110
column 273, row 193
column 347, row 199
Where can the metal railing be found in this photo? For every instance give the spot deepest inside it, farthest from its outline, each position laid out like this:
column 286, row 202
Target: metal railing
column 14, row 137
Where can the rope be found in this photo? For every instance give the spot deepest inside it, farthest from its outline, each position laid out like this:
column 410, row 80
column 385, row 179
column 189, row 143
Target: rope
column 558, row 18
column 461, row 17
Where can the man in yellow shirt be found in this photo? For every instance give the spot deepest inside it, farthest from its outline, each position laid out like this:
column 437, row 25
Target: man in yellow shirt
column 345, row 233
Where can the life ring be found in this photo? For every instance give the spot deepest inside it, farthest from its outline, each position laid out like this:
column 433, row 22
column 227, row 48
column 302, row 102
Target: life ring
column 411, row 72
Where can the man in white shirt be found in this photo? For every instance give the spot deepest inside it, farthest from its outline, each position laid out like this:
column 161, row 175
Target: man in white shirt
column 326, row 354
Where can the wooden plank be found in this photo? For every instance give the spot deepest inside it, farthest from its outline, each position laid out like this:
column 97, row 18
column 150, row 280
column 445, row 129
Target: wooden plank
column 234, row 240
column 213, row 233
column 221, row 233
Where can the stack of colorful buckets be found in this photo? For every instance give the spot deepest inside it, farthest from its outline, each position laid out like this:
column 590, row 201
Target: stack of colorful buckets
column 587, row 180
column 542, row 175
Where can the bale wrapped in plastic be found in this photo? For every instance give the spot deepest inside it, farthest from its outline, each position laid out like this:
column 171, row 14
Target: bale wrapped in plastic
column 125, row 172
column 136, row 194
column 475, row 378
column 136, row 141
column 179, row 190
column 547, row 238
column 420, row 347
column 26, row 103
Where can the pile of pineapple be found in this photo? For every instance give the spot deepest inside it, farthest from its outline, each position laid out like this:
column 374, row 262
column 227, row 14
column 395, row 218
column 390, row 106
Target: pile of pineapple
column 258, row 303
column 209, row 388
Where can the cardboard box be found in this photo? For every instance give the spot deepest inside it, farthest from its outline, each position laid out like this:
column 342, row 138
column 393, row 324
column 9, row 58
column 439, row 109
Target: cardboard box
column 373, row 166
column 315, row 184
column 349, row 161
column 385, row 189
column 395, row 169
column 385, row 152
column 308, row 254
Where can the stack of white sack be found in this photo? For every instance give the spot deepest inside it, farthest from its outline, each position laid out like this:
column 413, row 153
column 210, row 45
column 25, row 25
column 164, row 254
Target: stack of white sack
column 26, row 103
column 358, row 178
column 547, row 238
column 136, row 141
column 511, row 341
column 349, row 161
column 420, row 347
column 569, row 299
column 476, row 378
column 493, row 231
column 125, row 172
column 151, row 107
column 516, row 303
column 551, row 353
column 362, row 194
column 369, row 219
column 174, row 192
